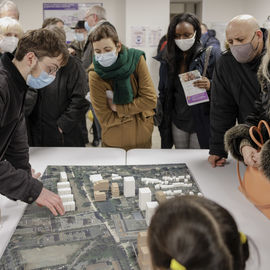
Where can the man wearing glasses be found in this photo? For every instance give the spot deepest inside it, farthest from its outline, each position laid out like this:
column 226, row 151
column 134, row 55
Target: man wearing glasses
column 56, row 112
column 38, row 57
column 92, row 17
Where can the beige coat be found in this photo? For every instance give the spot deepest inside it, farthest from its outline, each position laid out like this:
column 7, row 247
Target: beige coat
column 132, row 125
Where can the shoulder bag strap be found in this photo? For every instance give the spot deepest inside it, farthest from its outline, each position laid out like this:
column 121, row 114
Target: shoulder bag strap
column 206, row 59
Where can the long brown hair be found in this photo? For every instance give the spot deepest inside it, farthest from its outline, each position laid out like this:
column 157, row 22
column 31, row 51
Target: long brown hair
column 196, row 232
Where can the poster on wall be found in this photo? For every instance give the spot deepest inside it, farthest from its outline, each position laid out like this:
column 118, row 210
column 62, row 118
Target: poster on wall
column 144, row 36
column 154, row 36
column 138, row 36
column 70, row 13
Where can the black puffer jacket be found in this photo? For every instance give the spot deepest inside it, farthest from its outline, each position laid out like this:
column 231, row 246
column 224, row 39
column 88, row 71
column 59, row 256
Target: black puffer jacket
column 235, row 87
column 60, row 104
column 16, row 181
column 261, row 111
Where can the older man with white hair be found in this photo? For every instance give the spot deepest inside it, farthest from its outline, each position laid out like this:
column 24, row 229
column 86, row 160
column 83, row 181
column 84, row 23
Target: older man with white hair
column 9, row 9
column 92, row 17
column 235, row 86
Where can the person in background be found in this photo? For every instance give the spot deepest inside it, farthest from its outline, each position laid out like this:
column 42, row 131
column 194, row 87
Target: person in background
column 182, row 125
column 38, row 57
column 190, row 232
column 75, row 48
column 235, row 86
column 122, row 91
column 53, row 21
column 208, row 38
column 237, row 139
column 94, row 15
column 56, row 112
column 9, row 9
column 10, row 33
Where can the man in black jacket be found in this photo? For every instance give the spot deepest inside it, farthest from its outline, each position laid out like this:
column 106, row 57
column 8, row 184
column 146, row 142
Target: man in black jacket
column 235, row 86
column 60, row 107
column 38, row 57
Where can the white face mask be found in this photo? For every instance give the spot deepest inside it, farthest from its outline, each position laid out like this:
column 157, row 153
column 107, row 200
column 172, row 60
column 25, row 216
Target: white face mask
column 185, row 44
column 9, row 44
column 106, row 59
column 79, row 36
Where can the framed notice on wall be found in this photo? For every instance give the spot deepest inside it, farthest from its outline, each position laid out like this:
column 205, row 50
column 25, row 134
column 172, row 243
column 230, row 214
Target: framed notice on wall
column 70, row 13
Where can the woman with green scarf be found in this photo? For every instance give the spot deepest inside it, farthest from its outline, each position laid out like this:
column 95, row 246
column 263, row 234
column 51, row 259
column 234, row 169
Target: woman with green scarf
column 121, row 90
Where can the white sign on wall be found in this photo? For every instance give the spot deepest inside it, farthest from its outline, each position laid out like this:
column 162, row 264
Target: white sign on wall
column 138, row 36
column 143, row 36
column 70, row 13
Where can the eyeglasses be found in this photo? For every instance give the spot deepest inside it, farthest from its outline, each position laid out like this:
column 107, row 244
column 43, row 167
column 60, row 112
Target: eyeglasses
column 51, row 70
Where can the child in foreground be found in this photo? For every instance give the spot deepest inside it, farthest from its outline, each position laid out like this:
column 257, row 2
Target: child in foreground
column 189, row 232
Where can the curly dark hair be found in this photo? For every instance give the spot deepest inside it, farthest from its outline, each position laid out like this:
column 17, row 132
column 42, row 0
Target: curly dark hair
column 174, row 55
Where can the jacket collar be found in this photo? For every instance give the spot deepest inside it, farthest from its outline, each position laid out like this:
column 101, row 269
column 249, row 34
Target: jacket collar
column 18, row 79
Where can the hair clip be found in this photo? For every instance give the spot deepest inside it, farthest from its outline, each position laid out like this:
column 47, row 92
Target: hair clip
column 243, row 238
column 175, row 265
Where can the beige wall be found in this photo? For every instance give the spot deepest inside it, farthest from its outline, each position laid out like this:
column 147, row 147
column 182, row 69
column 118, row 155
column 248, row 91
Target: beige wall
column 31, row 12
column 222, row 11
column 149, row 13
column 260, row 9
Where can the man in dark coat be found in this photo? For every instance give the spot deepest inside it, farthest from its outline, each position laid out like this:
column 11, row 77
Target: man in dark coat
column 60, row 107
column 93, row 16
column 235, row 86
column 36, row 62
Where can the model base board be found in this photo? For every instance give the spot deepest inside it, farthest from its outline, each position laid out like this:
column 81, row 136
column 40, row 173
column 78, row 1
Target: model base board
column 97, row 235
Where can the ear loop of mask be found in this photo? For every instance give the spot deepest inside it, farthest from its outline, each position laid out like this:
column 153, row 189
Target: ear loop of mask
column 257, row 43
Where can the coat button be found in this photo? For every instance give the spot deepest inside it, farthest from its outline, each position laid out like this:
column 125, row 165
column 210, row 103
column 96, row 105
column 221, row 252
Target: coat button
column 30, row 199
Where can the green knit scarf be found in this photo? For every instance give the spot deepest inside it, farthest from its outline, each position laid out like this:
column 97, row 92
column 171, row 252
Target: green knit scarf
column 120, row 73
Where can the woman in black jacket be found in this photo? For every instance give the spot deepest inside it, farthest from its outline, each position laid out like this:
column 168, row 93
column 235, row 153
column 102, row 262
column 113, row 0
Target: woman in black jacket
column 182, row 125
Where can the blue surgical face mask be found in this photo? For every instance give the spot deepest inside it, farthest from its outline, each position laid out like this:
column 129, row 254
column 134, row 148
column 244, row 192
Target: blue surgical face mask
column 87, row 26
column 79, row 36
column 106, row 59
column 41, row 81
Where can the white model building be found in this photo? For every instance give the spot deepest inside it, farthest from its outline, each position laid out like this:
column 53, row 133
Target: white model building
column 147, row 180
column 64, row 191
column 67, row 198
column 69, row 206
column 63, row 177
column 95, row 177
column 116, row 176
column 144, row 197
column 150, row 211
column 63, row 185
column 129, row 186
